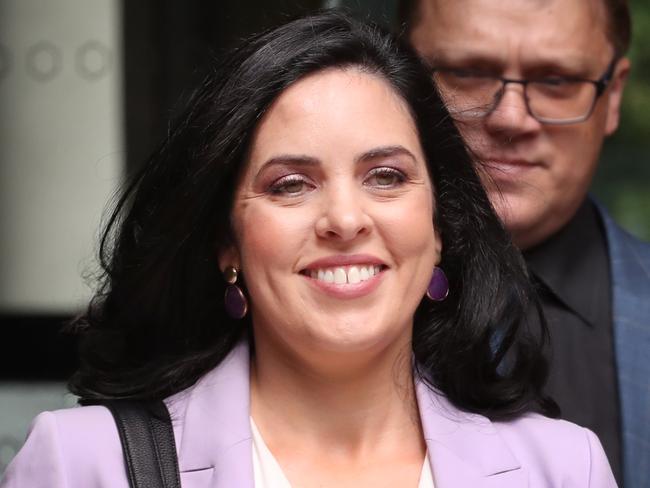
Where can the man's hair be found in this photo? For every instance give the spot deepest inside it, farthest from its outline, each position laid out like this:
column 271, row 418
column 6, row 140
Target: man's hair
column 617, row 15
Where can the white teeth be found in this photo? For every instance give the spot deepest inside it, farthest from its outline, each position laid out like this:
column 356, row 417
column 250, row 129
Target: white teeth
column 354, row 276
column 328, row 276
column 341, row 276
column 363, row 274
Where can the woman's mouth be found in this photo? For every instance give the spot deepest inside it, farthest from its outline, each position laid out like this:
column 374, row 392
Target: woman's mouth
column 345, row 276
column 341, row 275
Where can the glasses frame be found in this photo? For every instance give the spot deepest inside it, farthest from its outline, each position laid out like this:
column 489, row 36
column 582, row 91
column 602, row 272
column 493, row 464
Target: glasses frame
column 601, row 85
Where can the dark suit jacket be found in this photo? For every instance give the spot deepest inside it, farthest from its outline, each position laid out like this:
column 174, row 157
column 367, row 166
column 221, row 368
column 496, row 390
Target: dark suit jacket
column 630, row 271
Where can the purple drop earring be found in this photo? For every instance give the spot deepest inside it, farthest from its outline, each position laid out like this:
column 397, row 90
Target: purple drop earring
column 438, row 288
column 234, row 299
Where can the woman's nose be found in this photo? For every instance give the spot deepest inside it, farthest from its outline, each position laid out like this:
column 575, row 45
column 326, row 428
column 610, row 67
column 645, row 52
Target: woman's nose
column 343, row 217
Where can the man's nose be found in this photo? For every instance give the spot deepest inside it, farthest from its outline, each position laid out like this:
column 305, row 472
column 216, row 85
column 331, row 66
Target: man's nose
column 510, row 115
column 344, row 216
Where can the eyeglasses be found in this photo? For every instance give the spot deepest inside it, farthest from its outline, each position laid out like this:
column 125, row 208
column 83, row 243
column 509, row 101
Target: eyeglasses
column 471, row 94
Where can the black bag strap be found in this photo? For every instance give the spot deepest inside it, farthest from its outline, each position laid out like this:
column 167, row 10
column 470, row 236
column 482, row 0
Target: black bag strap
column 147, row 442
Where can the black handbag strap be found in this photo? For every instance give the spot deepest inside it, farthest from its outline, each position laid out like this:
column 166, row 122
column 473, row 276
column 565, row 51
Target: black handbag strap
column 147, row 442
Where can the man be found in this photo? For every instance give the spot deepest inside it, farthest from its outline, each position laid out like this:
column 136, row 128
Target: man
column 535, row 86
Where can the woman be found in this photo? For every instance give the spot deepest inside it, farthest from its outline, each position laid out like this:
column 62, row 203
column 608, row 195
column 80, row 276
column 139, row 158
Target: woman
column 317, row 182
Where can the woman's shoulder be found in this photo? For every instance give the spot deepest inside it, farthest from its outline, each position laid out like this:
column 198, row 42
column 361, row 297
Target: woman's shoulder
column 78, row 420
column 557, row 447
column 74, row 429
column 530, row 448
column 69, row 448
column 536, row 428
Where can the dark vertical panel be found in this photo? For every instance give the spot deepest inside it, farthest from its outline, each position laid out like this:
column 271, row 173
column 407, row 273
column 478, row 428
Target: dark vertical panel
column 166, row 43
column 35, row 348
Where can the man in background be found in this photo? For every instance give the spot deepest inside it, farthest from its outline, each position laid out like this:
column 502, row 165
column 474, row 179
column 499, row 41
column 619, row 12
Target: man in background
column 535, row 86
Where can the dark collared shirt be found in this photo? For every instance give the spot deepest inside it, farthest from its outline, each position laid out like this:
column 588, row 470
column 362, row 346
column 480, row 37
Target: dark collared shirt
column 571, row 270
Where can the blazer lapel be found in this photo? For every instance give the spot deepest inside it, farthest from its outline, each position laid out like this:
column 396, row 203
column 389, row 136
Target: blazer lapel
column 214, row 440
column 212, row 428
column 465, row 450
column 630, row 274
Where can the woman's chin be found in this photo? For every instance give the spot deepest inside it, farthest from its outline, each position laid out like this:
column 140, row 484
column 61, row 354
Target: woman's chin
column 356, row 340
column 342, row 331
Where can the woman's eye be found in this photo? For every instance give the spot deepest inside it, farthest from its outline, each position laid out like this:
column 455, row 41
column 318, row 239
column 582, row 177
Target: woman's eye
column 289, row 185
column 385, row 178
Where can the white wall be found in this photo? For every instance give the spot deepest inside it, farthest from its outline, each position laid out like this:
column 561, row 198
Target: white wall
column 61, row 146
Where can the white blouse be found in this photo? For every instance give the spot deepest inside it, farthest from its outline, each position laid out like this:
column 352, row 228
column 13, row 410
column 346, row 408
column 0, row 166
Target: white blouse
column 268, row 473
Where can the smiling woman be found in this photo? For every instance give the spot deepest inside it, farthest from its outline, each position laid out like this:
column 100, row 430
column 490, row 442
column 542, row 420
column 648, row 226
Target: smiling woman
column 336, row 184
column 318, row 183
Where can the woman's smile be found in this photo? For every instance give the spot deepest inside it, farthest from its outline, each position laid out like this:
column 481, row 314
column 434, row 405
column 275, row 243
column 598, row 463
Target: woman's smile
column 345, row 276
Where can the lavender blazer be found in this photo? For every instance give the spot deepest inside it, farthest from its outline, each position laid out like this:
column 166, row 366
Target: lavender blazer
column 80, row 447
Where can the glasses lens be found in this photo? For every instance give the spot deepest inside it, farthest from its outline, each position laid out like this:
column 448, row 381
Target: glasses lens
column 467, row 95
column 561, row 101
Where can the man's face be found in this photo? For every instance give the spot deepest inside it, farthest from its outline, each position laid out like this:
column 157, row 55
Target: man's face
column 537, row 175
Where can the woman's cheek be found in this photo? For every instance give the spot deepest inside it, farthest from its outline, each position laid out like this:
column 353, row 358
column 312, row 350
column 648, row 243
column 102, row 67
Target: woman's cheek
column 409, row 226
column 271, row 232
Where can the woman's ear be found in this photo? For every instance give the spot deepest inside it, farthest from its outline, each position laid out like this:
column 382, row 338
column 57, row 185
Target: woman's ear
column 229, row 256
column 438, row 245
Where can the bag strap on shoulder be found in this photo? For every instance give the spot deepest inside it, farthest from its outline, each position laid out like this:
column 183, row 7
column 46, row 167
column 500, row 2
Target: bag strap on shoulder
column 147, row 438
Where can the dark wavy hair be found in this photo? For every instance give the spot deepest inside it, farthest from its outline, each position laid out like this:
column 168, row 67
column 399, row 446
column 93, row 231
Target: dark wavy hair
column 157, row 323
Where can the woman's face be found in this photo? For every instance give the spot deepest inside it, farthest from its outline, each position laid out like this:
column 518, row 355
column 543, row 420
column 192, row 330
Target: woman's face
column 333, row 218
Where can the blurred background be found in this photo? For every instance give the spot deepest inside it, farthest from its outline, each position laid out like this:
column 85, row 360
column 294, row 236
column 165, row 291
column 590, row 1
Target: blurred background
column 86, row 91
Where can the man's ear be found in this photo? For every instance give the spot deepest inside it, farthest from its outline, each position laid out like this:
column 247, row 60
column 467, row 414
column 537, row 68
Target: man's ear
column 229, row 256
column 615, row 98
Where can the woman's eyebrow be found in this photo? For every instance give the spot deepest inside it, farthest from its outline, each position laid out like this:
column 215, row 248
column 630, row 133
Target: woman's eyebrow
column 309, row 161
column 385, row 152
column 288, row 160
